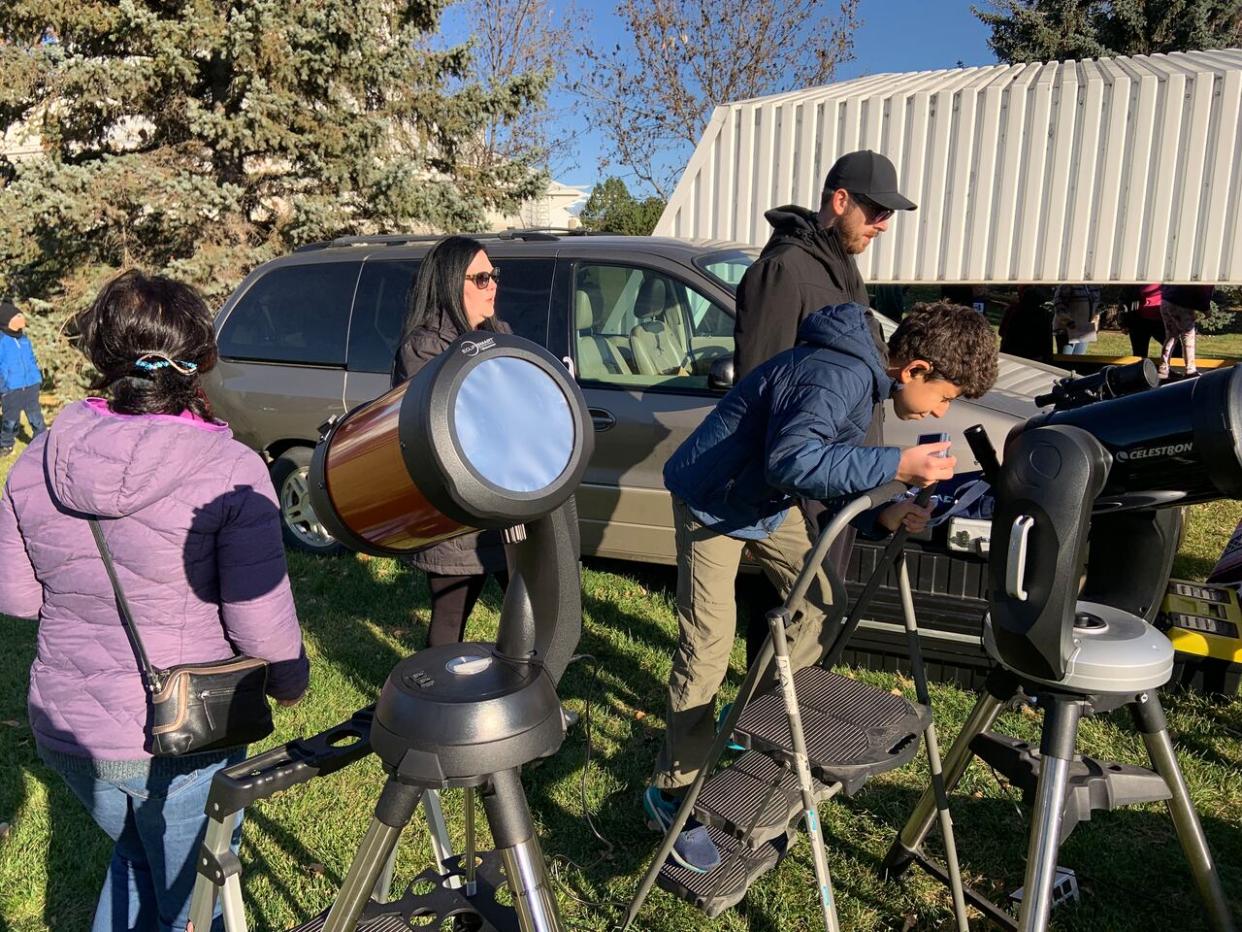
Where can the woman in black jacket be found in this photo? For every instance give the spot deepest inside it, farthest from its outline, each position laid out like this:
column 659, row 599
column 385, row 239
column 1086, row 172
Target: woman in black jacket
column 455, row 292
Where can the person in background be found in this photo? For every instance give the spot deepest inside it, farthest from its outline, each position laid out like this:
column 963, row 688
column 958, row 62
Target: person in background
column 1026, row 328
column 890, row 300
column 1077, row 317
column 1142, row 318
column 192, row 522
column 454, row 293
column 959, row 294
column 20, row 379
column 1179, row 306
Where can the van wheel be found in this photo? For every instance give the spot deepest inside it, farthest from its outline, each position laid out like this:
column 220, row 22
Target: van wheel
column 302, row 530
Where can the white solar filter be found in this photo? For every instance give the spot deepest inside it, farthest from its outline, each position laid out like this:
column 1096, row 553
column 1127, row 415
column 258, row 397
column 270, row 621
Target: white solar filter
column 1113, row 170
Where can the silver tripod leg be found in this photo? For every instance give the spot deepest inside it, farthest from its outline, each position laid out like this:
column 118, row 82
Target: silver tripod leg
column 217, row 845
column 914, row 832
column 1056, row 750
column 784, row 673
column 933, row 747
column 441, row 846
column 509, row 818
column 396, row 804
column 1149, row 716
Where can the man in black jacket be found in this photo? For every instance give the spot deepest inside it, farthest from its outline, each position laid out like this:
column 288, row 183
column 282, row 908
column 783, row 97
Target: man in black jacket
column 806, row 265
column 809, row 261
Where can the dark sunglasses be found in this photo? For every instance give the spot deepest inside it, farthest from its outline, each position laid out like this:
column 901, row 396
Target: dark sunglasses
column 875, row 213
column 483, row 279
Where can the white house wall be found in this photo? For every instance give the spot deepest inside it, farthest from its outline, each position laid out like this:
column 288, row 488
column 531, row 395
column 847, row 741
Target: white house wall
column 1122, row 169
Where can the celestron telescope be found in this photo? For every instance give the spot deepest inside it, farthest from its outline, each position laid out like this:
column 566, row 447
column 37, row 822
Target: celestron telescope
column 493, row 433
column 1082, row 544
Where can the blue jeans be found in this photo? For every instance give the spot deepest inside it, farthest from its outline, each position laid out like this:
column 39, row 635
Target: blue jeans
column 153, row 810
column 1074, row 348
column 12, row 404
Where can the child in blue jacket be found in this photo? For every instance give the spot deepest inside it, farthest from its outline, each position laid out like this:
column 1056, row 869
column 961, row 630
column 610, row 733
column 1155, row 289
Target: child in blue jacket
column 20, row 379
column 793, row 429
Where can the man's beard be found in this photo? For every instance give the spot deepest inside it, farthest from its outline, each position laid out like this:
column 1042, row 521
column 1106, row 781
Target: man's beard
column 852, row 238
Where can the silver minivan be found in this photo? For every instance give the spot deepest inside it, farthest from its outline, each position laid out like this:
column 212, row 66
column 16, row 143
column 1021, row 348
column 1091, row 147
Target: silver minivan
column 639, row 320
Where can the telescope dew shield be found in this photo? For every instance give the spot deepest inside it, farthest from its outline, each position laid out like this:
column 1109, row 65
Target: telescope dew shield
column 493, row 432
column 1176, row 445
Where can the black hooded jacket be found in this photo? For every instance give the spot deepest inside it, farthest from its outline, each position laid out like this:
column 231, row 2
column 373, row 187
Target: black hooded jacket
column 802, row 268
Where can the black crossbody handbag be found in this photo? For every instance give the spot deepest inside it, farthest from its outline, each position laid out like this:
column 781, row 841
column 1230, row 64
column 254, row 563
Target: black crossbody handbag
column 196, row 706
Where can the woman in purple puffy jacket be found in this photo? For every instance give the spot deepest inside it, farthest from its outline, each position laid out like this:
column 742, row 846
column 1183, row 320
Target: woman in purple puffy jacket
column 192, row 523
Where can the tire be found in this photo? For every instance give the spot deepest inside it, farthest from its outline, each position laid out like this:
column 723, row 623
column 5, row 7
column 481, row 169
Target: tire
column 298, row 524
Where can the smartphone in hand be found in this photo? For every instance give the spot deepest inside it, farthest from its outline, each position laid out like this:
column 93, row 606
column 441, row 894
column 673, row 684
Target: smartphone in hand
column 935, row 438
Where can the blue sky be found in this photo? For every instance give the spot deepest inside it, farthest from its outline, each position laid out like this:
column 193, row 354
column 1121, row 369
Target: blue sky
column 896, row 35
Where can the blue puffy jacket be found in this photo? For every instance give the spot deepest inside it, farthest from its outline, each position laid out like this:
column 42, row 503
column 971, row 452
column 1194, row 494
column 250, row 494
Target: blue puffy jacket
column 18, row 367
column 790, row 429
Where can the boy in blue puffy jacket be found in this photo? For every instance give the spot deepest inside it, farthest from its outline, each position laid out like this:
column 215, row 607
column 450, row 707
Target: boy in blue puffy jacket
column 20, row 379
column 791, row 429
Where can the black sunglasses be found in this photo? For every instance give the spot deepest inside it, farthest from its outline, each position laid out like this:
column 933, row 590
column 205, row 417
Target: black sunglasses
column 483, row 279
column 875, row 213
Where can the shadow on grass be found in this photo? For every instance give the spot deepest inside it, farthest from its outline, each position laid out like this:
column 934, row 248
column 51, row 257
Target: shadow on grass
column 1120, row 857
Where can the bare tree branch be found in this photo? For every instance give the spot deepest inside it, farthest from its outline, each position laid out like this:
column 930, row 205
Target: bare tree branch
column 654, row 94
column 516, row 37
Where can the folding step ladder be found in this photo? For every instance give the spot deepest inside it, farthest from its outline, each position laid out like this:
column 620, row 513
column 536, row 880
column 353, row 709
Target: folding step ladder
column 815, row 735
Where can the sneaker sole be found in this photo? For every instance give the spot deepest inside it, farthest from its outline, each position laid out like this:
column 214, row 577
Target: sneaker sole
column 656, row 824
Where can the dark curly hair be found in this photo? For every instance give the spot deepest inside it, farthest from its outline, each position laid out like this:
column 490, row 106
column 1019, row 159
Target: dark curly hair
column 137, row 315
column 957, row 341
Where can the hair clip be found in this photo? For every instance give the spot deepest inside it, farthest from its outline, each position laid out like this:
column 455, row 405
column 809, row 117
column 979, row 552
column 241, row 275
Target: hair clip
column 153, row 361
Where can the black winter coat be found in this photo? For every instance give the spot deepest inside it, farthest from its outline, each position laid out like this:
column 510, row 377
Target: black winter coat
column 470, row 554
column 803, row 268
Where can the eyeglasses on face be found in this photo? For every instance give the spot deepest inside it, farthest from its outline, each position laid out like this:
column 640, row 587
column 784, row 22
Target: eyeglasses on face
column 875, row 213
column 483, row 279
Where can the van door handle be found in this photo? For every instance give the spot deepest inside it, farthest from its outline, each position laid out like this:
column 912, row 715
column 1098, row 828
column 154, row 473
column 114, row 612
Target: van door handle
column 603, row 420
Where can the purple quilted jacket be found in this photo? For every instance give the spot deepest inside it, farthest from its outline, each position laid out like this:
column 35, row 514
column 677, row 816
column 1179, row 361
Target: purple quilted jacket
column 192, row 523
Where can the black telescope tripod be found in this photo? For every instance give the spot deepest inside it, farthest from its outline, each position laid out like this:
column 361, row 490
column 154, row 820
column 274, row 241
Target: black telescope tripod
column 457, row 716
column 1071, row 656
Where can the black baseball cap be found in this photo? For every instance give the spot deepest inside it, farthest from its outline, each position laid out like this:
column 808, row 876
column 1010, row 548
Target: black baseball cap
column 871, row 175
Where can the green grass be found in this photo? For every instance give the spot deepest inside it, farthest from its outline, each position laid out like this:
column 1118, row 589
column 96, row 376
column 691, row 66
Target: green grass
column 1207, row 346
column 362, row 615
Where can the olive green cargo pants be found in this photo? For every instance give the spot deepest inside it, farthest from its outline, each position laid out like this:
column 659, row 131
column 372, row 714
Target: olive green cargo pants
column 707, row 565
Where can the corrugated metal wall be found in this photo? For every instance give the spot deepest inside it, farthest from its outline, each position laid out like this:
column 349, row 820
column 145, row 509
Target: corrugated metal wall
column 1123, row 169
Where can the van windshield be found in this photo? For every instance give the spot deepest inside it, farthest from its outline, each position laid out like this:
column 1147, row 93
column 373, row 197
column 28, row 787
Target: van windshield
column 726, row 266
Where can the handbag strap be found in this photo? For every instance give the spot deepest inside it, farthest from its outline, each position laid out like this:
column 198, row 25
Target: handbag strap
column 149, row 673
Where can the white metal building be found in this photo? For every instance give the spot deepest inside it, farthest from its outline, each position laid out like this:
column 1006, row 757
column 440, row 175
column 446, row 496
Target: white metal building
column 1122, row 169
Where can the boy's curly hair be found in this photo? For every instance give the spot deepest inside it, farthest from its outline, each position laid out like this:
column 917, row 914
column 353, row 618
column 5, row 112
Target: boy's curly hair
column 958, row 342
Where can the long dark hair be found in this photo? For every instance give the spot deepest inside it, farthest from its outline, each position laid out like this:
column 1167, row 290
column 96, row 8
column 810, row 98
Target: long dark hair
column 437, row 290
column 137, row 316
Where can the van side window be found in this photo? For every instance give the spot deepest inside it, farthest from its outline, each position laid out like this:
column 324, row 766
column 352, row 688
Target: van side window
column 295, row 313
column 638, row 328
column 379, row 312
column 524, row 294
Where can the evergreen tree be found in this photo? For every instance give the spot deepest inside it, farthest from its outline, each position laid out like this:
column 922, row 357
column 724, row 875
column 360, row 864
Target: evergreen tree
column 1056, row 30
column 612, row 209
column 201, row 137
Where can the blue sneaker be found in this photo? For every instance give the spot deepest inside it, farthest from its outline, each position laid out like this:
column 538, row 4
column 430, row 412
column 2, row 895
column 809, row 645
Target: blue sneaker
column 694, row 849
column 724, row 713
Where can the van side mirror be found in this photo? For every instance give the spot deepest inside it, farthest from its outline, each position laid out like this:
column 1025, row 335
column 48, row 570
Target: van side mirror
column 720, row 375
